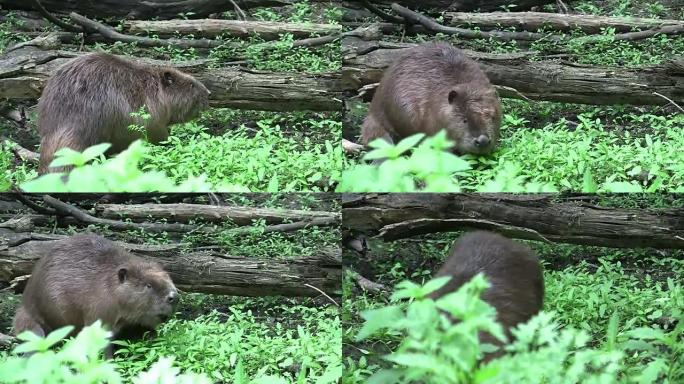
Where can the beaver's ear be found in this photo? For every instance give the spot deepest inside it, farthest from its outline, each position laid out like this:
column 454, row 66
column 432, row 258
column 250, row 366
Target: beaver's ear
column 168, row 78
column 456, row 92
column 123, row 274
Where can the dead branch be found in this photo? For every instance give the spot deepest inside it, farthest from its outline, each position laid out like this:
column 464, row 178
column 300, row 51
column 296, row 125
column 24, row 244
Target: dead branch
column 113, row 35
column 382, row 14
column 84, row 217
column 433, row 26
column 48, row 16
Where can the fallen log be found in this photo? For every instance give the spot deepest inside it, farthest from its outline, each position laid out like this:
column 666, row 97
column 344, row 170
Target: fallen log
column 197, row 9
column 532, row 21
column 466, row 5
column 23, row 74
column 183, row 213
column 142, row 9
column 210, row 28
column 517, row 77
column 204, row 270
column 553, row 218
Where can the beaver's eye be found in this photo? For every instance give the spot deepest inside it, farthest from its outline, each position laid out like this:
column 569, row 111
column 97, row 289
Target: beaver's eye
column 148, row 285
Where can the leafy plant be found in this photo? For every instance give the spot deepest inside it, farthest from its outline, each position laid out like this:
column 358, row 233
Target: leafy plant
column 425, row 163
column 141, row 116
column 79, row 360
column 118, row 174
column 433, row 349
column 234, row 346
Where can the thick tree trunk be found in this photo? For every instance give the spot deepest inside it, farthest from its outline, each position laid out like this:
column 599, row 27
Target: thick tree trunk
column 532, row 21
column 365, row 61
column 186, row 212
column 537, row 217
column 210, row 28
column 207, row 271
column 142, row 9
column 23, row 74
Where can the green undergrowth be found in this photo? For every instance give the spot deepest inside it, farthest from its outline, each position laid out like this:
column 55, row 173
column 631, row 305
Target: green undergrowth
column 225, row 150
column 235, row 340
column 552, row 145
column 586, row 287
column 277, row 152
column 79, row 360
column 296, row 343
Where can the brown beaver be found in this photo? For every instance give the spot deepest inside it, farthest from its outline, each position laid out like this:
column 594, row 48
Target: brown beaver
column 86, row 277
column 433, row 87
column 513, row 270
column 89, row 101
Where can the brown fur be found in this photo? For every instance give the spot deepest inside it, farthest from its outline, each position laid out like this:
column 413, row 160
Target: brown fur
column 433, row 87
column 89, row 100
column 85, row 278
column 512, row 269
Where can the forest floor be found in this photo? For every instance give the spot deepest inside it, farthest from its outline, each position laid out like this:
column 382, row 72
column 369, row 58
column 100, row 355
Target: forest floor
column 584, row 287
column 258, row 150
column 268, row 336
column 577, row 147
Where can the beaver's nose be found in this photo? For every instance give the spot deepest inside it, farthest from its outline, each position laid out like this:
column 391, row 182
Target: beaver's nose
column 482, row 141
column 173, row 297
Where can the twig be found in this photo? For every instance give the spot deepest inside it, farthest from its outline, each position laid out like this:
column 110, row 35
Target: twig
column 561, row 6
column 38, row 208
column 433, row 26
column 322, row 293
column 512, row 91
column 383, row 15
column 640, row 35
column 65, row 26
column 422, row 226
column 238, row 11
column 290, row 227
column 112, row 34
column 670, row 100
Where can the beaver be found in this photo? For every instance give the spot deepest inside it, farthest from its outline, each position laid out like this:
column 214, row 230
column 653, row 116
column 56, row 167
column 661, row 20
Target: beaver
column 514, row 273
column 86, row 277
column 89, row 101
column 432, row 87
